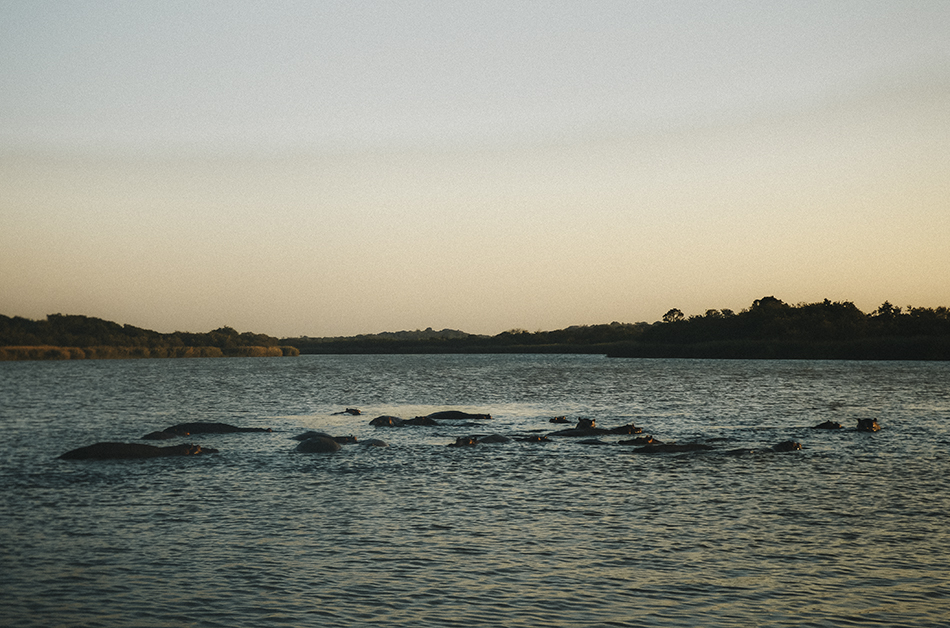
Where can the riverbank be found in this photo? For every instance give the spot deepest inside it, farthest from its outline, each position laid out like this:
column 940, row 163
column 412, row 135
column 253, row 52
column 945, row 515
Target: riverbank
column 48, row 352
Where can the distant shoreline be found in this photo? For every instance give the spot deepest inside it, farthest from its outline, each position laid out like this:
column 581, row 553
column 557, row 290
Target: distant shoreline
column 50, row 352
column 768, row 329
column 921, row 348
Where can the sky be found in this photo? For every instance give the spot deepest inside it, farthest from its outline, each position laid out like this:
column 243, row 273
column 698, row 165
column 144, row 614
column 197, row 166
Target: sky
column 301, row 168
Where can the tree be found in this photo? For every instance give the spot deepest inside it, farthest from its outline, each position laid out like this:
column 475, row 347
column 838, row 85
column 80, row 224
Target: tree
column 673, row 316
column 887, row 310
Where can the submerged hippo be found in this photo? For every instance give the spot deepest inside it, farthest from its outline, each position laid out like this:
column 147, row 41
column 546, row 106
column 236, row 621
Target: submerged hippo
column 119, row 451
column 160, row 436
column 310, row 434
column 187, row 429
column 494, row 438
column 343, row 440
column 456, row 415
column 387, row 421
column 868, row 425
column 827, row 425
column 533, row 439
column 318, row 445
column 587, row 427
column 787, row 445
column 464, row 441
column 640, row 441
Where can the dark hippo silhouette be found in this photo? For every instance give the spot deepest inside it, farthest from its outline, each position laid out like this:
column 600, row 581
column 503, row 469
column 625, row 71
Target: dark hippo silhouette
column 640, row 440
column 343, row 440
column 630, row 428
column 353, row 411
column 318, row 445
column 587, row 427
column 787, row 445
column 494, row 438
column 739, row 452
column 310, row 434
column 387, row 421
column 559, row 419
column 187, row 429
column 868, row 425
column 160, row 436
column 827, row 425
column 464, row 441
column 118, row 451
column 456, row 415
column 533, row 439
column 392, row 421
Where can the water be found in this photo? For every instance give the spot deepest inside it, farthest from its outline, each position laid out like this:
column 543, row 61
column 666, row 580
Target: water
column 851, row 530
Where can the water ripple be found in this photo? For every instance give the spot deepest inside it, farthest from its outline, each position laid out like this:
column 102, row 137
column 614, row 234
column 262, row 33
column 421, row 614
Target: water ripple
column 848, row 531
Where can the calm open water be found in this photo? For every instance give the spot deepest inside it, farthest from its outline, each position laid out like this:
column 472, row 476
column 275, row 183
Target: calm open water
column 850, row 531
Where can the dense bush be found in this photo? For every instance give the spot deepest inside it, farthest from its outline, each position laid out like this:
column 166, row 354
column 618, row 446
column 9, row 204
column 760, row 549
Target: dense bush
column 71, row 337
column 769, row 328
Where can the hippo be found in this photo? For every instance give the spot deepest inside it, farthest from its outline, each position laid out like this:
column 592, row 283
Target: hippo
column 421, row 420
column 630, row 428
column 119, row 451
column 586, row 427
column 387, row 421
column 310, row 434
column 787, row 445
column 533, row 439
column 456, row 415
column 640, row 440
column 494, row 438
column 160, row 436
column 827, row 425
column 559, row 419
column 343, row 440
column 464, row 441
column 868, row 425
column 572, row 431
column 187, row 429
column 318, row 445
column 739, row 452
column 352, row 411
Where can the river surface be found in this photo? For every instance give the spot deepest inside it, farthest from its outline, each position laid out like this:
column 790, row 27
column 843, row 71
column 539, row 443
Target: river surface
column 850, row 531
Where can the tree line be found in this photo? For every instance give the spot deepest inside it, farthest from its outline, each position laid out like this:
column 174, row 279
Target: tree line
column 769, row 328
column 71, row 337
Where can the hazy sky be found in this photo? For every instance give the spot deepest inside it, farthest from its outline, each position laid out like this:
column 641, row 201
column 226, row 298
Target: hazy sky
column 335, row 168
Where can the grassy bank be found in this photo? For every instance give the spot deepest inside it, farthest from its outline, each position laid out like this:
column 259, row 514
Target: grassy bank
column 49, row 352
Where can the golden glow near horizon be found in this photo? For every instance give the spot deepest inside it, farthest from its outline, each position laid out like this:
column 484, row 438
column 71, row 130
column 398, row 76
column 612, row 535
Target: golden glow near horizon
column 807, row 162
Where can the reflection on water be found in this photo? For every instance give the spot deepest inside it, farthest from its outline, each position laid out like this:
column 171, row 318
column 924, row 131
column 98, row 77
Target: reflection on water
column 849, row 531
